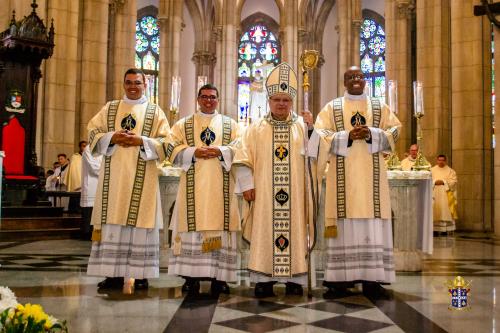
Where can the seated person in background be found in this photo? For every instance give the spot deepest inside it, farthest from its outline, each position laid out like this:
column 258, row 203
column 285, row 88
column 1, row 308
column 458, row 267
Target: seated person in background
column 409, row 161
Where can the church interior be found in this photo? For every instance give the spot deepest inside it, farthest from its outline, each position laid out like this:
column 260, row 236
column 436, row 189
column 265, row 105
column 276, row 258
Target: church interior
column 435, row 63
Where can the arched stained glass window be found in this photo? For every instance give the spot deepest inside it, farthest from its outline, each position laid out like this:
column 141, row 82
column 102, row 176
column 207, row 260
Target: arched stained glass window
column 372, row 52
column 147, row 49
column 258, row 51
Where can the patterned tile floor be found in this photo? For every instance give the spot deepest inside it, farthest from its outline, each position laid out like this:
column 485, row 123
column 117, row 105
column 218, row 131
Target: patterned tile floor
column 52, row 273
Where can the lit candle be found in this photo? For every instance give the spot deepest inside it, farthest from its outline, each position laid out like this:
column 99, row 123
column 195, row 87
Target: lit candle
column 418, row 98
column 176, row 93
column 202, row 80
column 392, row 95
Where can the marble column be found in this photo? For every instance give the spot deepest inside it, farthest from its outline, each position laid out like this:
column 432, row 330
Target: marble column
column 471, row 118
column 170, row 20
column 398, row 16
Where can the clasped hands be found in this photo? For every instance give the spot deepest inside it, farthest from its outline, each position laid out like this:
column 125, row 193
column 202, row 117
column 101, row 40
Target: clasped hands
column 206, row 153
column 361, row 132
column 126, row 138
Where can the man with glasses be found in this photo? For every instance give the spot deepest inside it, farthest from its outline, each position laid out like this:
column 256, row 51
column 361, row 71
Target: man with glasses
column 206, row 217
column 129, row 134
column 271, row 175
column 352, row 134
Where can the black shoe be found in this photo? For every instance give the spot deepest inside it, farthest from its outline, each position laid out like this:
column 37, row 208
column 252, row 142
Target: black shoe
column 141, row 284
column 294, row 289
column 375, row 290
column 264, row 289
column 337, row 289
column 191, row 286
column 111, row 283
column 219, row 287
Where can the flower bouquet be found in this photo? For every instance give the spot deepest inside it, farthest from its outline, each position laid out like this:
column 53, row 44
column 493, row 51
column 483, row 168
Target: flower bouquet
column 29, row 318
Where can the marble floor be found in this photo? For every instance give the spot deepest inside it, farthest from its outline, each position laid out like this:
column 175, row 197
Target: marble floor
column 52, row 273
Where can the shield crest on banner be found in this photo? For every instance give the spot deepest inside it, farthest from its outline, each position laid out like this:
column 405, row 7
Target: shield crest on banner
column 15, row 101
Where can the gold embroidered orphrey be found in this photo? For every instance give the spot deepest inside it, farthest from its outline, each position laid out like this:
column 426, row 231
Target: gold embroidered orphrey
column 282, row 201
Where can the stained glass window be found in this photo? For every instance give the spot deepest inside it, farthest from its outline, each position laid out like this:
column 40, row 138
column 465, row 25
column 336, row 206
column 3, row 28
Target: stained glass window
column 147, row 48
column 258, row 49
column 372, row 54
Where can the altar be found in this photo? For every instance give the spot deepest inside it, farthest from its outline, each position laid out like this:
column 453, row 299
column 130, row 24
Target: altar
column 411, row 204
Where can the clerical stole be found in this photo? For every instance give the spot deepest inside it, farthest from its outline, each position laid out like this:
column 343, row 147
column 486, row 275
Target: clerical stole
column 205, row 199
column 276, row 224
column 356, row 182
column 126, row 180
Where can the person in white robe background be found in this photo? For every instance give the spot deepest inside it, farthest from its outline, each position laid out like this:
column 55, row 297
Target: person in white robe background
column 444, row 191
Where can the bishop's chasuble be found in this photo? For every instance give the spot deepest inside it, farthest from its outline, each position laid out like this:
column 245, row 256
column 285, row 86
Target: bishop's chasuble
column 128, row 184
column 275, row 226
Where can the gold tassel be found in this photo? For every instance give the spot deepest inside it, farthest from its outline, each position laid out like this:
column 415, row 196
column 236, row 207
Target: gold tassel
column 96, row 235
column 331, row 232
column 211, row 244
column 177, row 246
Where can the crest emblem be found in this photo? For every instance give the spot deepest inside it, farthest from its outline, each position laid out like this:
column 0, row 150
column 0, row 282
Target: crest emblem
column 459, row 290
column 358, row 119
column 128, row 123
column 281, row 152
column 15, row 101
column 207, row 136
column 281, row 197
column 281, row 242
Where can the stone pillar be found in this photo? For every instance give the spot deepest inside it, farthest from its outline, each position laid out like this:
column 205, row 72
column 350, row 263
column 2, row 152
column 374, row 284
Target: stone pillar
column 227, row 57
column 205, row 62
column 123, row 16
column 433, row 69
column 349, row 20
column 59, row 87
column 289, row 33
column 91, row 89
column 496, row 170
column 398, row 16
column 170, row 20
column 471, row 118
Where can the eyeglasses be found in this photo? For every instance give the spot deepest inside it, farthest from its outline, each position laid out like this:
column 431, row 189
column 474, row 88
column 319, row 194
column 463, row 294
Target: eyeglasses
column 281, row 100
column 355, row 77
column 133, row 83
column 210, row 97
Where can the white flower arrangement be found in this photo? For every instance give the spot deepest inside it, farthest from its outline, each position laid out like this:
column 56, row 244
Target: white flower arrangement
column 7, row 299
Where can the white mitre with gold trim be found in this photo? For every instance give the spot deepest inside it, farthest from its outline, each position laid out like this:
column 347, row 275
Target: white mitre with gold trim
column 282, row 79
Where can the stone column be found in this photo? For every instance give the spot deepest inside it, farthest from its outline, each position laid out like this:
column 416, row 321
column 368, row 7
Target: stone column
column 204, row 62
column 398, row 16
column 170, row 20
column 59, row 87
column 123, row 16
column 349, row 20
column 227, row 57
column 496, row 170
column 433, row 69
column 289, row 33
column 91, row 89
column 471, row 118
